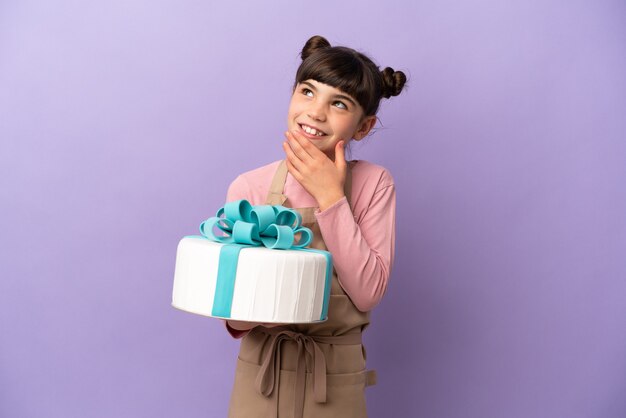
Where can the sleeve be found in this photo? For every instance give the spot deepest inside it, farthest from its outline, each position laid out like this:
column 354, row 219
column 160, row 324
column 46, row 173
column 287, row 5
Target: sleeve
column 362, row 253
column 235, row 333
column 238, row 189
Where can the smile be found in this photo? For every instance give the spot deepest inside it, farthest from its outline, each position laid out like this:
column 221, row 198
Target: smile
column 311, row 130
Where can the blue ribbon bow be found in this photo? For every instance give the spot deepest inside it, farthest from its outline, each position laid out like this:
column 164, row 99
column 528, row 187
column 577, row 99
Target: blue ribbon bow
column 272, row 226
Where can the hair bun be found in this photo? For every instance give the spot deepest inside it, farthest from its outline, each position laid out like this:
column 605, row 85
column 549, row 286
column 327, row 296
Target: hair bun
column 393, row 82
column 314, row 43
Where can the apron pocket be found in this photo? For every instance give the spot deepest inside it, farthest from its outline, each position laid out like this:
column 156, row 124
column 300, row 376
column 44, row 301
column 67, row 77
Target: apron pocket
column 345, row 395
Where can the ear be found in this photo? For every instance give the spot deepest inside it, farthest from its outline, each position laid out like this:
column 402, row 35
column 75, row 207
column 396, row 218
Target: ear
column 365, row 127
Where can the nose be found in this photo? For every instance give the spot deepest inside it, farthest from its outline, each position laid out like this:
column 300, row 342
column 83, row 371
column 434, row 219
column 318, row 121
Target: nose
column 316, row 111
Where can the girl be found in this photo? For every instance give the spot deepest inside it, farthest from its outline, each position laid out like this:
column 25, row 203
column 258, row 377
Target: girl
column 318, row 370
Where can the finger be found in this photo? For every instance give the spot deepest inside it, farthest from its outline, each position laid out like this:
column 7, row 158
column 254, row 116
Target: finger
column 308, row 145
column 301, row 145
column 297, row 145
column 272, row 324
column 340, row 156
column 292, row 157
column 293, row 170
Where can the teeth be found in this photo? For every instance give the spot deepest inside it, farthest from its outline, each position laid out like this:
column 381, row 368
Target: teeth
column 311, row 131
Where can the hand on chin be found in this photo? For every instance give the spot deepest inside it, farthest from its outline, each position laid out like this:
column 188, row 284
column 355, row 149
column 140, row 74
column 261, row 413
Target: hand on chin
column 323, row 177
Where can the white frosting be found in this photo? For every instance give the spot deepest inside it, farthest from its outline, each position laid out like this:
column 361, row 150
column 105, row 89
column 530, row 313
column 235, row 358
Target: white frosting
column 284, row 286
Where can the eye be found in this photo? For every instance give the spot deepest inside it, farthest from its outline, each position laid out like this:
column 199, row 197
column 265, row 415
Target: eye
column 306, row 92
column 341, row 105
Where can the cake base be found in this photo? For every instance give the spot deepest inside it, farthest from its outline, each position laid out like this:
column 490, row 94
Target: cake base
column 268, row 285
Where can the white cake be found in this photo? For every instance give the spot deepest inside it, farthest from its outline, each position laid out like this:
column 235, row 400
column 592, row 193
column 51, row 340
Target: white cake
column 270, row 285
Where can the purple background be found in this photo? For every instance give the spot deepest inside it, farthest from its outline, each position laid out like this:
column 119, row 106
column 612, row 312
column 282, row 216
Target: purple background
column 123, row 123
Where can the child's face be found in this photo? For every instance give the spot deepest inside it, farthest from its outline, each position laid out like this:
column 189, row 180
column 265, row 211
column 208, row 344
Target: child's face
column 330, row 112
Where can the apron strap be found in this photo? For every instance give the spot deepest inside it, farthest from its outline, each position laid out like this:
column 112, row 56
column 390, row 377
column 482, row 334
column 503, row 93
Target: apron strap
column 275, row 194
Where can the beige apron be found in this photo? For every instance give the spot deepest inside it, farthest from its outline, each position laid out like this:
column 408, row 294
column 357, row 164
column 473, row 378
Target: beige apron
column 305, row 370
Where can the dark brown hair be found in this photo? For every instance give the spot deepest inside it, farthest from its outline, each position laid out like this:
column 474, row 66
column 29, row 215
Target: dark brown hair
column 350, row 71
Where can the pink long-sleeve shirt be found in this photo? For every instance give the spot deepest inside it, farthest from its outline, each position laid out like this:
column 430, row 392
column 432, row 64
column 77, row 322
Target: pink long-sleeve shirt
column 361, row 240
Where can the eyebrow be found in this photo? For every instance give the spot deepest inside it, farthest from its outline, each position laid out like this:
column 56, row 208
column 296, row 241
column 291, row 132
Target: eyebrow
column 339, row 96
